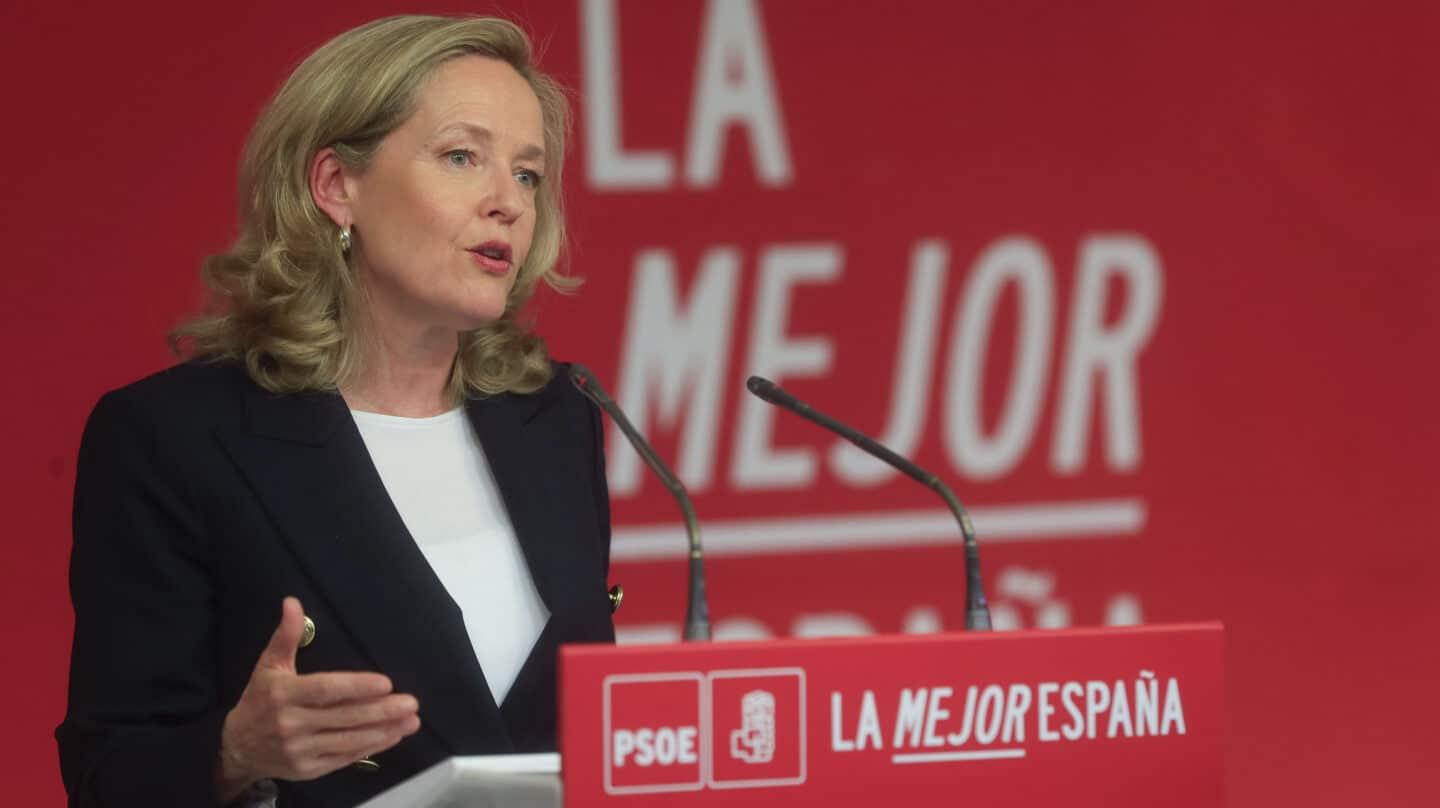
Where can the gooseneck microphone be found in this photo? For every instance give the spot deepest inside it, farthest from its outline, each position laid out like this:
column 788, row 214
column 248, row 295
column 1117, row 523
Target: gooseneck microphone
column 977, row 612
column 697, row 614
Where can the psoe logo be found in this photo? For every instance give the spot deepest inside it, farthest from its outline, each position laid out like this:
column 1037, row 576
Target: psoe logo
column 662, row 730
column 754, row 742
column 654, row 729
column 758, row 718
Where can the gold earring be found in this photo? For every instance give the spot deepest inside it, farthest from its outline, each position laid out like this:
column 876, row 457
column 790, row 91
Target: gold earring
column 345, row 240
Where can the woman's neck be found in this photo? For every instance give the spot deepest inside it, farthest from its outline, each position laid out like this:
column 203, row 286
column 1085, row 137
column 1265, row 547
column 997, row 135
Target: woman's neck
column 405, row 374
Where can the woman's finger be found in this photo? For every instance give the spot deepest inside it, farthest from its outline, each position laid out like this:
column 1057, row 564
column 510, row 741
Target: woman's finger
column 356, row 742
column 324, row 689
column 348, row 715
column 279, row 653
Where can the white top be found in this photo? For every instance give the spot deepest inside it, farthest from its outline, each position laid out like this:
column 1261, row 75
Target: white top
column 436, row 474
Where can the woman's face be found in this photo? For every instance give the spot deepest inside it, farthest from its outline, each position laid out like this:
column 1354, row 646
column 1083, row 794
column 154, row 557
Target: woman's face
column 445, row 212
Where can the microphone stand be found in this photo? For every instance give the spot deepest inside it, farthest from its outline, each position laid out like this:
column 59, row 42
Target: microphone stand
column 977, row 611
column 697, row 612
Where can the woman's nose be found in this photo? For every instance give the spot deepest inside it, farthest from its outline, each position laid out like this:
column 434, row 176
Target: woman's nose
column 506, row 200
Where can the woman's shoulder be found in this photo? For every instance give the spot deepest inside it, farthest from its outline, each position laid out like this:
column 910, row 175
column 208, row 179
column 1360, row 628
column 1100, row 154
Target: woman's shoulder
column 189, row 380
column 557, row 397
column 561, row 388
column 195, row 391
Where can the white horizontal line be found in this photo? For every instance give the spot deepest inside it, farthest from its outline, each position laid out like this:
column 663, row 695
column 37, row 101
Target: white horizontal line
column 943, row 757
column 1035, row 521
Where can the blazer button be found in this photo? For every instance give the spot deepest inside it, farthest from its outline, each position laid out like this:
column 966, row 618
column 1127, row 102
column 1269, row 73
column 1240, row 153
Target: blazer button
column 365, row 765
column 307, row 634
column 617, row 594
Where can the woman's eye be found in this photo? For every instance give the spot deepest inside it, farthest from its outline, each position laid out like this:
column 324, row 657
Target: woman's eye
column 460, row 158
column 528, row 178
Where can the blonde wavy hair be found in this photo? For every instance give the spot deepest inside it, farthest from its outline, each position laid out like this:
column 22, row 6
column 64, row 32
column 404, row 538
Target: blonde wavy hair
column 283, row 297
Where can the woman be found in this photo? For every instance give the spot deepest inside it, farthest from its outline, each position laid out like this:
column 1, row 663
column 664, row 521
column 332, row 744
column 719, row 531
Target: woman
column 366, row 447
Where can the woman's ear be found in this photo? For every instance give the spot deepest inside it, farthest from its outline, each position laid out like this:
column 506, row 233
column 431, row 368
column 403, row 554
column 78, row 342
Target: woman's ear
column 329, row 189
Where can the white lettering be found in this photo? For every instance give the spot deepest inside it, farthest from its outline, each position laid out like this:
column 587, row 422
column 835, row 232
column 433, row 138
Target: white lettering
column 1097, row 700
column 666, row 746
column 647, row 633
column 1174, row 712
column 1120, row 713
column 1023, row 261
column 1147, row 705
column 623, row 743
column 1123, row 609
column 831, row 624
column 688, row 747
column 838, row 742
column 1047, row 691
column 937, row 714
column 1068, row 695
column 910, row 717
column 1093, row 349
column 645, row 746
column 674, row 349
column 922, row 620
column 731, row 629
column 987, row 715
column 1016, row 705
column 869, row 732
column 914, row 358
column 757, row 464
column 959, row 738
column 734, row 85
column 609, row 165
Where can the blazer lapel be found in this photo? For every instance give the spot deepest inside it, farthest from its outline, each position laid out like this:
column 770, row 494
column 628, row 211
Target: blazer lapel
column 530, row 447
column 308, row 464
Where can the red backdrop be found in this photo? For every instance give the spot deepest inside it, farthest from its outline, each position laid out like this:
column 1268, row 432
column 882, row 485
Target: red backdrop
column 1154, row 288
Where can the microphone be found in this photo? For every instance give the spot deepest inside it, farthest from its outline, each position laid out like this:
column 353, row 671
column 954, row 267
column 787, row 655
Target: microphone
column 977, row 612
column 697, row 614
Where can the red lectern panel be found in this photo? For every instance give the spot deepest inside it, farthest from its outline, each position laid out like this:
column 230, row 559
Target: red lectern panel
column 1084, row 717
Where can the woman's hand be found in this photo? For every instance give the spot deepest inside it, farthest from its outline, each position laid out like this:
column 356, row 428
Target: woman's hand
column 297, row 727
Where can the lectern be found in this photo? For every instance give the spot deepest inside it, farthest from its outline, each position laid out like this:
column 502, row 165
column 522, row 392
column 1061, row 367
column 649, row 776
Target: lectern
column 501, row 781
column 1081, row 717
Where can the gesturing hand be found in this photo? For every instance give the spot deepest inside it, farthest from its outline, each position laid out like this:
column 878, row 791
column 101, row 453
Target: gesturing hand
column 296, row 727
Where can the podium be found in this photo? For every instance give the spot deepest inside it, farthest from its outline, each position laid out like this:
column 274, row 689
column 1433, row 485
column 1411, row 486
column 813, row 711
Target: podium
column 482, row 781
column 1080, row 717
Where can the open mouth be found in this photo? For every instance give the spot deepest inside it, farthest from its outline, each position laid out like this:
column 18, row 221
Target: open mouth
column 493, row 256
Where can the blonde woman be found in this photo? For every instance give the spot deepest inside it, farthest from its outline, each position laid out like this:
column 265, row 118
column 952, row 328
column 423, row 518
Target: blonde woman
column 343, row 540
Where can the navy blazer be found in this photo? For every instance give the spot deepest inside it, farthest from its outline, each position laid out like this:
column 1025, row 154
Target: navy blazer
column 201, row 500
